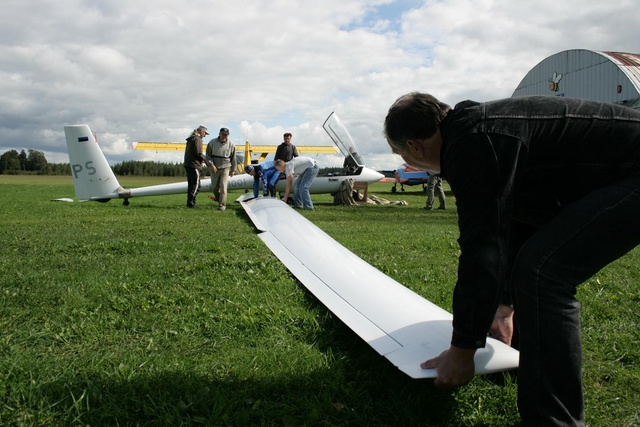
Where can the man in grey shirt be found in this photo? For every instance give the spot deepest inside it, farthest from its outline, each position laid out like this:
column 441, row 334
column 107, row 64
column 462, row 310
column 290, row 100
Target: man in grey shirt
column 221, row 158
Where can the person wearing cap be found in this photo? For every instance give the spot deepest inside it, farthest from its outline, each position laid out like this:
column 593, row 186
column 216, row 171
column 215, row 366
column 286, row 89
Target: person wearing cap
column 267, row 172
column 193, row 161
column 305, row 169
column 221, row 158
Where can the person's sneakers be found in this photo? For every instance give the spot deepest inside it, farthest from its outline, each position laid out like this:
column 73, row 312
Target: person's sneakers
column 221, row 208
column 428, row 208
column 441, row 208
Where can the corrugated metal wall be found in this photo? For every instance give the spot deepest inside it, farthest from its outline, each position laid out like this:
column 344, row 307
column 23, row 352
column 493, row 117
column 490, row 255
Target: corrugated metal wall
column 582, row 74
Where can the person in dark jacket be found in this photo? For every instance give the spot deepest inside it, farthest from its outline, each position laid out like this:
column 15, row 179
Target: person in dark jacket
column 286, row 150
column 193, row 161
column 547, row 192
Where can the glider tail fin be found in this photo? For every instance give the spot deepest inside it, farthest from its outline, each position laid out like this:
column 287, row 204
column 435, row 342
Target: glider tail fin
column 93, row 178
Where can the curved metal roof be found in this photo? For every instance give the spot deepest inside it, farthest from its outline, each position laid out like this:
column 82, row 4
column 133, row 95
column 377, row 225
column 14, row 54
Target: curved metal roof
column 580, row 73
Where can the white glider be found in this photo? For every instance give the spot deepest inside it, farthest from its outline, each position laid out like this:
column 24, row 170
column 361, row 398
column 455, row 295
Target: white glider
column 94, row 180
column 398, row 323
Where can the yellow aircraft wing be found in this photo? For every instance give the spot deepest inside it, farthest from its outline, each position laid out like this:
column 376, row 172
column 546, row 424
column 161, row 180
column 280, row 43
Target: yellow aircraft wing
column 179, row 146
column 248, row 149
column 157, row 146
column 319, row 149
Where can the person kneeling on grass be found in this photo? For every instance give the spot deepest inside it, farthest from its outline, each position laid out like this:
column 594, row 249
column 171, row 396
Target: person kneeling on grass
column 548, row 193
column 305, row 169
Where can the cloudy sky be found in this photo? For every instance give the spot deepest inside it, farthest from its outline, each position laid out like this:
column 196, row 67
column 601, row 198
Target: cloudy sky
column 148, row 70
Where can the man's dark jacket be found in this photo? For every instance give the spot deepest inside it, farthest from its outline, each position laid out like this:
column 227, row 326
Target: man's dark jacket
column 193, row 156
column 521, row 160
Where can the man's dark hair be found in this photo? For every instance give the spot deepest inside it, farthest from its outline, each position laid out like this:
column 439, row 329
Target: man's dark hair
column 413, row 116
column 287, row 134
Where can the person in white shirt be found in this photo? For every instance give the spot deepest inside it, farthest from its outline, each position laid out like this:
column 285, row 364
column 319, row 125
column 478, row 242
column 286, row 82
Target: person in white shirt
column 305, row 169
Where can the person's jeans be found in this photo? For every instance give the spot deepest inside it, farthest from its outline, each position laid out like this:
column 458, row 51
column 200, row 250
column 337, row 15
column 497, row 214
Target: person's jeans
column 256, row 186
column 587, row 235
column 219, row 183
column 301, row 196
column 434, row 184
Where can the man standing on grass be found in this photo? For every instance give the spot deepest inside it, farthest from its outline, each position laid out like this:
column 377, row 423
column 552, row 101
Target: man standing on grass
column 193, row 161
column 434, row 185
column 221, row 157
column 548, row 193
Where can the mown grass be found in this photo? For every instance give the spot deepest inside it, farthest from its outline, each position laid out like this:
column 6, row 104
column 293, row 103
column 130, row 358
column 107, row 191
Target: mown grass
column 156, row 315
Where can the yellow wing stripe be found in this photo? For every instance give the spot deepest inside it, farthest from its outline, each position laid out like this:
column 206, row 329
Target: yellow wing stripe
column 321, row 149
column 178, row 146
column 157, row 146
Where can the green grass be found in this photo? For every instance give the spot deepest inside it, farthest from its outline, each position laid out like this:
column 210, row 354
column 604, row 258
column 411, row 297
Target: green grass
column 155, row 315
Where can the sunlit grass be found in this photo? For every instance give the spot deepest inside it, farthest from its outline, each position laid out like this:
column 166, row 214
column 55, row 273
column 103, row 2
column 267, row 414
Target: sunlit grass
column 153, row 314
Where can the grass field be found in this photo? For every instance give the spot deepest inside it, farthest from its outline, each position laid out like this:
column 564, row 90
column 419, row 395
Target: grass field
column 156, row 315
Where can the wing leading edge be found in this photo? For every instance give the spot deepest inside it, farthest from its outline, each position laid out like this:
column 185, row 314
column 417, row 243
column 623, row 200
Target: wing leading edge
column 395, row 321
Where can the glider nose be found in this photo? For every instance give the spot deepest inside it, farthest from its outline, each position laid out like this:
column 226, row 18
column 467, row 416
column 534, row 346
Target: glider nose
column 369, row 175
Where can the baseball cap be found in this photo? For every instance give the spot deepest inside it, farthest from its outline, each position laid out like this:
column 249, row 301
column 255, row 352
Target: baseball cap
column 224, row 130
column 206, row 131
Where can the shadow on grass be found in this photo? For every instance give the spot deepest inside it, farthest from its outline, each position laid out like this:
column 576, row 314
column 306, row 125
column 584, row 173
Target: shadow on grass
column 323, row 397
column 355, row 387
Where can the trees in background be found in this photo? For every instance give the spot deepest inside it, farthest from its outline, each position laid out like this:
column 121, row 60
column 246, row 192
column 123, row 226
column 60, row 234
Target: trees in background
column 34, row 162
column 140, row 168
column 12, row 162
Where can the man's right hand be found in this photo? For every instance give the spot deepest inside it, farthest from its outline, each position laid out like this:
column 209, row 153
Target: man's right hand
column 502, row 326
column 455, row 367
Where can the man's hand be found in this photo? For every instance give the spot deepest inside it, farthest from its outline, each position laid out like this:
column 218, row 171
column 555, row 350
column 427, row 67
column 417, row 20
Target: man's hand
column 455, row 367
column 287, row 190
column 214, row 169
column 502, row 326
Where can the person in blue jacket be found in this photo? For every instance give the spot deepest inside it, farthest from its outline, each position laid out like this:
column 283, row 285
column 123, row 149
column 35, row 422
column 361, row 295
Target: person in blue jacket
column 267, row 172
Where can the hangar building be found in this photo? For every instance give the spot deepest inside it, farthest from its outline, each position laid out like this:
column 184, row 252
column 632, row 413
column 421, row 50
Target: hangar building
column 588, row 74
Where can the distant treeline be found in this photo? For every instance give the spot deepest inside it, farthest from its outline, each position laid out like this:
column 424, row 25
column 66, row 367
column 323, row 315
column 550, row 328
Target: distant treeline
column 138, row 168
column 34, row 162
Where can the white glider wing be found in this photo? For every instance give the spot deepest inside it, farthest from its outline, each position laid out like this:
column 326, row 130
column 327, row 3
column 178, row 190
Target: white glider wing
column 398, row 323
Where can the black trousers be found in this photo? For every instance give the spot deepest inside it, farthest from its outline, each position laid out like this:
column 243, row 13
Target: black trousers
column 193, row 181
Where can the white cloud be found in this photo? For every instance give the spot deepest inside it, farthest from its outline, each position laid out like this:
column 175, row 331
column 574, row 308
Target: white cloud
column 154, row 70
